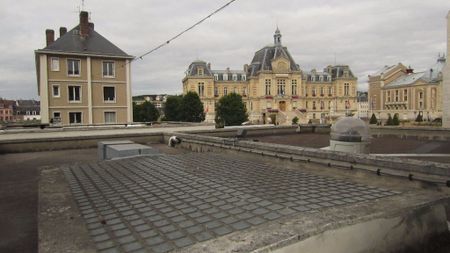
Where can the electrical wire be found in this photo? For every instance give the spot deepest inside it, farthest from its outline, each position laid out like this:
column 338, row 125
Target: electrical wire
column 184, row 31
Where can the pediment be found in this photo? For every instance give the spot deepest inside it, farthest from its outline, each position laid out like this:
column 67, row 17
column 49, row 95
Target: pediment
column 281, row 65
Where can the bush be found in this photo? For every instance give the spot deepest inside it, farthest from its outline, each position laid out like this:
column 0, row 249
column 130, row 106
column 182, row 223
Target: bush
column 396, row 120
column 373, row 119
column 419, row 118
column 389, row 121
column 295, row 120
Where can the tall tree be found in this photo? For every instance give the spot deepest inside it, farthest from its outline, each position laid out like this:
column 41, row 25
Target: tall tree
column 191, row 108
column 230, row 111
column 373, row 119
column 145, row 112
column 172, row 109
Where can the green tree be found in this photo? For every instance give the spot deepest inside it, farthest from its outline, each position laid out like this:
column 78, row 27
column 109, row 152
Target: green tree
column 145, row 112
column 373, row 119
column 230, row 111
column 396, row 120
column 172, row 109
column 389, row 121
column 191, row 108
column 295, row 120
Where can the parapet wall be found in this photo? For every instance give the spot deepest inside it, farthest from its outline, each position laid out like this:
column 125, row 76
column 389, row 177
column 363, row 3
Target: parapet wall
column 411, row 169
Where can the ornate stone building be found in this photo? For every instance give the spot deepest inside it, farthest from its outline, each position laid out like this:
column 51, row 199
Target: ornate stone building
column 275, row 89
column 398, row 89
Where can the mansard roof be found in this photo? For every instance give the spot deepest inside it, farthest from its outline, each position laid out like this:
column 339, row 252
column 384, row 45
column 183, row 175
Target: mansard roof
column 264, row 57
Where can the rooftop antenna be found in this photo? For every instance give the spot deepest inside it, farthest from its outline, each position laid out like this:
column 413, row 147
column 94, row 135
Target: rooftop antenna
column 82, row 5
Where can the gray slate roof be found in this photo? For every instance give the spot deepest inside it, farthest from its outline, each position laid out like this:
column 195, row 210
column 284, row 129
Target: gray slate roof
column 192, row 69
column 94, row 44
column 263, row 59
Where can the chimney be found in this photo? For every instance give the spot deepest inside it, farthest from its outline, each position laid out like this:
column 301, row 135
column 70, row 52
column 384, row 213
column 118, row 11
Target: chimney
column 50, row 36
column 84, row 24
column 62, row 31
column 209, row 65
column 409, row 70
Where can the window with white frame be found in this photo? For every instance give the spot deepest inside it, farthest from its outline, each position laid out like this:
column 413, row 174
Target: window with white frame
column 54, row 63
column 225, row 77
column 216, row 77
column 234, row 77
column 56, row 91
column 243, row 77
column 108, row 69
column 75, row 118
column 74, row 93
column 73, row 67
column 110, row 117
column 109, row 94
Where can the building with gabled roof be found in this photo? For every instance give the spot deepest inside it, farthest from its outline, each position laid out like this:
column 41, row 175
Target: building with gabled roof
column 83, row 78
column 275, row 89
column 399, row 90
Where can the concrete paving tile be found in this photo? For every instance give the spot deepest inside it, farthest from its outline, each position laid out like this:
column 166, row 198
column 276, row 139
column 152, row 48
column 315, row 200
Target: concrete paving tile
column 203, row 236
column 162, row 248
column 154, row 240
column 126, row 239
column 131, row 247
column 183, row 242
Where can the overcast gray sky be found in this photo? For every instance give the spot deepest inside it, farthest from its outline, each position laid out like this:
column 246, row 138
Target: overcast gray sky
column 363, row 34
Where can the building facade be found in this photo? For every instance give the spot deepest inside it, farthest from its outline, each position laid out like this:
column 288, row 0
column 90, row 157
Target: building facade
column 26, row 110
column 275, row 89
column 446, row 83
column 398, row 89
column 83, row 78
column 6, row 110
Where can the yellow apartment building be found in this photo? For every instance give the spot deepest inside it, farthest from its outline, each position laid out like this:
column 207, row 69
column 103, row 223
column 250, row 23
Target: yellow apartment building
column 83, row 79
column 274, row 88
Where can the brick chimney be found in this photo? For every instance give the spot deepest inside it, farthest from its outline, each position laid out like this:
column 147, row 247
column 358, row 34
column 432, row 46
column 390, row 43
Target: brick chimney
column 62, row 31
column 84, row 24
column 409, row 70
column 49, row 36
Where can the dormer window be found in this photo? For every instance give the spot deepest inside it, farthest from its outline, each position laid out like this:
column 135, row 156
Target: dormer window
column 225, row 77
column 200, row 71
column 216, row 77
column 234, row 77
column 243, row 77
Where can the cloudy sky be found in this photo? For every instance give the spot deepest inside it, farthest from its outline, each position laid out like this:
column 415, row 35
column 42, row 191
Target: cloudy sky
column 363, row 34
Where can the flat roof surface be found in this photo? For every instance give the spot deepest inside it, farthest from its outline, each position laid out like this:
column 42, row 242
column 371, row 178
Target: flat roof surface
column 168, row 202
